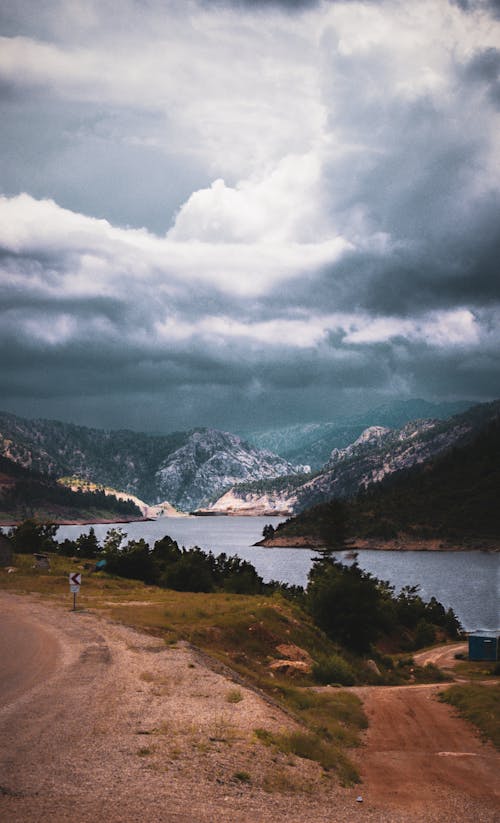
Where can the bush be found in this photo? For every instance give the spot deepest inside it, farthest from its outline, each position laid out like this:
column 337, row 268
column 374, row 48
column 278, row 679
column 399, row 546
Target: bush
column 425, row 634
column 333, row 669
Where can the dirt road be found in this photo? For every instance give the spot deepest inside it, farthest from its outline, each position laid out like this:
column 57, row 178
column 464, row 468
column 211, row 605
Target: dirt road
column 102, row 723
column 420, row 755
column 441, row 656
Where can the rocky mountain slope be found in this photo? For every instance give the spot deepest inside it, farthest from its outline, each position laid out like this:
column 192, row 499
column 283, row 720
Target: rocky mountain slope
column 377, row 453
column 312, row 443
column 212, row 461
column 186, row 468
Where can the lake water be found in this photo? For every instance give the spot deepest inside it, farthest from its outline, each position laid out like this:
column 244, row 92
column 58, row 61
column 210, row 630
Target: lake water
column 469, row 582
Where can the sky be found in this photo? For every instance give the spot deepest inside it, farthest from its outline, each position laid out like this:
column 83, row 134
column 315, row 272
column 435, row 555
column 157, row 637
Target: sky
column 247, row 213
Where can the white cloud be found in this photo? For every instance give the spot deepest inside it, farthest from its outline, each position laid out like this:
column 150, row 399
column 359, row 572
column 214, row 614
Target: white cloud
column 443, row 329
column 280, row 207
column 100, row 256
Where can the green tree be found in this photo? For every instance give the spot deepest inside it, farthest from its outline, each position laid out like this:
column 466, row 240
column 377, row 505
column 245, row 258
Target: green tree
column 31, row 536
column 333, row 527
column 87, row 545
column 190, row 573
column 133, row 561
column 346, row 603
column 113, row 540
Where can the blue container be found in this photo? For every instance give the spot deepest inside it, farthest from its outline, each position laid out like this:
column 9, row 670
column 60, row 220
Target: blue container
column 484, row 644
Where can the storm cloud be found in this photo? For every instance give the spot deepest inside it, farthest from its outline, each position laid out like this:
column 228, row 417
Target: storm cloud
column 247, row 213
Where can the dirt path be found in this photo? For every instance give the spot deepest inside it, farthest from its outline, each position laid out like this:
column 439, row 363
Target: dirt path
column 422, row 757
column 442, row 656
column 28, row 655
column 102, row 723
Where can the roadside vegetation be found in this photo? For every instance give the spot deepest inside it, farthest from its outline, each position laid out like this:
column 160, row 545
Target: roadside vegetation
column 479, row 704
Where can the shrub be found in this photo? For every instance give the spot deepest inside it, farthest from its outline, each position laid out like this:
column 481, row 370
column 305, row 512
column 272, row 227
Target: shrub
column 242, row 777
column 425, row 634
column 333, row 669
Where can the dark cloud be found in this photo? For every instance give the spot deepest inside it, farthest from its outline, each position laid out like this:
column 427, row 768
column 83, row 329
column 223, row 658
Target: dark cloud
column 117, row 328
column 493, row 6
column 484, row 69
column 289, row 5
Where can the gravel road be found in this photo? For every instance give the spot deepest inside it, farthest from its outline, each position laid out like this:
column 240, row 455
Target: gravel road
column 99, row 722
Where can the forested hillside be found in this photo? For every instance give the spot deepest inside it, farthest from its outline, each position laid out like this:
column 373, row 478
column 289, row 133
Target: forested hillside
column 453, row 497
column 25, row 493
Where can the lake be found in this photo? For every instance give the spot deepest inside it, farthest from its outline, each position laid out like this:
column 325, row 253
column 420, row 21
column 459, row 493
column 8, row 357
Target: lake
column 466, row 581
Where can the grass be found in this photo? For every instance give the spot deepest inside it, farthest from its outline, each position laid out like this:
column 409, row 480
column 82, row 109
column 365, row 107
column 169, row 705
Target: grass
column 311, row 746
column 480, row 705
column 476, row 669
column 234, row 696
column 242, row 777
column 280, row 781
column 332, row 723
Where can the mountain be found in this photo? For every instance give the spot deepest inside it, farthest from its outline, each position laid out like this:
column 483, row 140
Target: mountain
column 312, row 443
column 186, row 468
column 377, row 453
column 212, row 461
column 25, row 493
column 451, row 498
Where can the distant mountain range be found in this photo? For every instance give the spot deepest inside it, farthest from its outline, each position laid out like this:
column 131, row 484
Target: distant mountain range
column 377, row 453
column 186, row 468
column 220, row 473
column 312, row 443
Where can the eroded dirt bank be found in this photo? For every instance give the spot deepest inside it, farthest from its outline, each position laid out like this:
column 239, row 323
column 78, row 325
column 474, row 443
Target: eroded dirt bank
column 116, row 726
column 398, row 545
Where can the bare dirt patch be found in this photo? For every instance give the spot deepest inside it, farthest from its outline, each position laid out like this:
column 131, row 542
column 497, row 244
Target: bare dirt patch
column 422, row 758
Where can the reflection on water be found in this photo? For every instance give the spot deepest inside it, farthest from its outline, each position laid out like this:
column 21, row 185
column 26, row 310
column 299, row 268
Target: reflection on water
column 467, row 581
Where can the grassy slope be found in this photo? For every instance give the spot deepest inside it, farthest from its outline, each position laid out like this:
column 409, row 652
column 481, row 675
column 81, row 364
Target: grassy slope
column 480, row 705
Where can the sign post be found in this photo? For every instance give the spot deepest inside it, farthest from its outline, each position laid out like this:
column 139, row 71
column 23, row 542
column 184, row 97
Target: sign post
column 75, row 580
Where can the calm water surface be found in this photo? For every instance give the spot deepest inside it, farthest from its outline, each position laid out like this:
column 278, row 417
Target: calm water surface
column 469, row 582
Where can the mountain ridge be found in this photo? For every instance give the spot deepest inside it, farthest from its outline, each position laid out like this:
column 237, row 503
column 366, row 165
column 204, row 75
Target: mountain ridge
column 185, row 468
column 377, row 453
column 311, row 443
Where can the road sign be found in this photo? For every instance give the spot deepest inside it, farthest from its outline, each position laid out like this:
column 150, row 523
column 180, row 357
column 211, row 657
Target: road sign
column 75, row 579
column 74, row 589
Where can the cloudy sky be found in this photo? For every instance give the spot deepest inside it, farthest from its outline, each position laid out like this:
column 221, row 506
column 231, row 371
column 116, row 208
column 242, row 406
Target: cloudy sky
column 244, row 213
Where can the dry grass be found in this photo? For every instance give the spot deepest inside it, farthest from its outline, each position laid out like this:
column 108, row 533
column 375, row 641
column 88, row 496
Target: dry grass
column 480, row 705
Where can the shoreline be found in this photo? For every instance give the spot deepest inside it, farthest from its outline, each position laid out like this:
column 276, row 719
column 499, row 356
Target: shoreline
column 81, row 522
column 400, row 544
